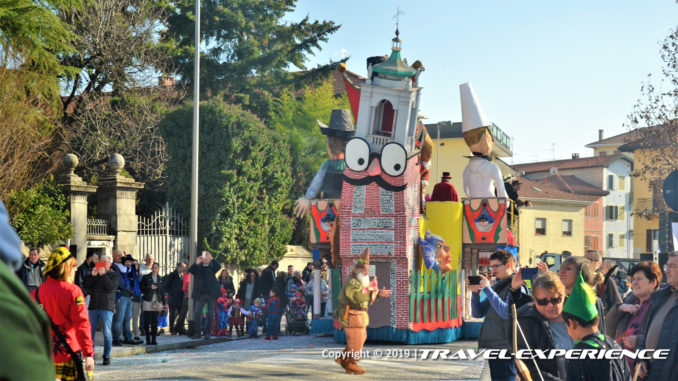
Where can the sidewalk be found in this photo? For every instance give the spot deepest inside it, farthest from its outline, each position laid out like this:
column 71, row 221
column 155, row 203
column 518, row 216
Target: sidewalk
column 166, row 342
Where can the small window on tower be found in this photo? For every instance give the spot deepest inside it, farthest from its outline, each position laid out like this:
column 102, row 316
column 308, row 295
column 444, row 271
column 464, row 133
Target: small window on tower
column 384, row 119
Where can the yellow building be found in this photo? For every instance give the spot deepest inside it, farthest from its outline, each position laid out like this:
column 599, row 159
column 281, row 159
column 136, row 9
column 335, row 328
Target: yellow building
column 450, row 153
column 651, row 218
column 554, row 223
column 648, row 204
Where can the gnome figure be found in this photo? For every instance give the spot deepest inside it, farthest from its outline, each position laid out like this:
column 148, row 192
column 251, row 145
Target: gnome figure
column 328, row 179
column 481, row 176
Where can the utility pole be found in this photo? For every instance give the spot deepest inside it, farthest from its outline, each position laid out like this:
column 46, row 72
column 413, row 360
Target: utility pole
column 193, row 244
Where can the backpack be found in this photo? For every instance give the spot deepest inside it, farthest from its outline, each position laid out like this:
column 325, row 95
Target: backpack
column 619, row 370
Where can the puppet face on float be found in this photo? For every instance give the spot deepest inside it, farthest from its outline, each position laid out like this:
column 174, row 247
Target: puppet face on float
column 386, row 168
column 479, row 140
column 435, row 253
column 484, row 221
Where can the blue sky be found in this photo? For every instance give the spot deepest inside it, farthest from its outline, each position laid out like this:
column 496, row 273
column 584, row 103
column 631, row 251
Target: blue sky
column 545, row 72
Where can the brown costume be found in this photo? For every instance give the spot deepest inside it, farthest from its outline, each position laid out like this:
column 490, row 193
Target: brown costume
column 352, row 313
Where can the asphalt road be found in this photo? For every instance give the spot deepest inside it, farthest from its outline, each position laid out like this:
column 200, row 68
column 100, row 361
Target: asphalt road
column 291, row 358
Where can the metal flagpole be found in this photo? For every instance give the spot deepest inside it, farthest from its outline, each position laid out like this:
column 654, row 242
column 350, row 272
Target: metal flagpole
column 193, row 245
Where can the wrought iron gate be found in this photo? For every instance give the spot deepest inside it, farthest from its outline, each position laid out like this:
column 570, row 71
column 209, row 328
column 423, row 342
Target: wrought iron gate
column 164, row 235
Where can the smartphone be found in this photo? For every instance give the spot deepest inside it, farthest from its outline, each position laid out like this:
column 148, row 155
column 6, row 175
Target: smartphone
column 100, row 264
column 474, row 279
column 529, row 273
column 204, row 254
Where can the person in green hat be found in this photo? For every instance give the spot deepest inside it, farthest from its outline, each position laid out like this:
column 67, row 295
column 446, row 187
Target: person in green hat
column 581, row 318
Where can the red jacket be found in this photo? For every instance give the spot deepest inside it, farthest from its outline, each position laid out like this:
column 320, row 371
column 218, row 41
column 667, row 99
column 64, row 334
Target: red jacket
column 187, row 278
column 65, row 305
column 444, row 191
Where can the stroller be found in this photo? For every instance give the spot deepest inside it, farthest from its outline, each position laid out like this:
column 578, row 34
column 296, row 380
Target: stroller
column 296, row 316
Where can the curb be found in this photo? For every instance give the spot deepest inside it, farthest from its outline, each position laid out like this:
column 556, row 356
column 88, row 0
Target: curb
column 144, row 349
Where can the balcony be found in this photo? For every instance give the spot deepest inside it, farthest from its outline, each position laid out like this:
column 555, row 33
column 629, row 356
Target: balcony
column 645, row 203
column 97, row 227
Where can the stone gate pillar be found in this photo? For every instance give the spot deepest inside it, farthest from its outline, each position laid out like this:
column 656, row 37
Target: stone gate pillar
column 78, row 191
column 116, row 199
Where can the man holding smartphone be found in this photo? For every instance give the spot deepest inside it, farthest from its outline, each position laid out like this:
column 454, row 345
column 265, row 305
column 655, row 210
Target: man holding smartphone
column 494, row 308
column 205, row 291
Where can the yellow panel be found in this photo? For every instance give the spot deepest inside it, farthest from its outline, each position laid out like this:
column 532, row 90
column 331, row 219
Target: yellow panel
column 444, row 218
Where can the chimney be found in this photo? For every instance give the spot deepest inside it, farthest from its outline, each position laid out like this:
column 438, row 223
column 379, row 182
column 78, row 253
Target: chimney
column 575, row 155
column 600, row 135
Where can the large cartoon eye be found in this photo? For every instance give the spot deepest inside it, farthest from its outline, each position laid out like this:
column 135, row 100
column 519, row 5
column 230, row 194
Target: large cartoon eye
column 393, row 159
column 357, row 154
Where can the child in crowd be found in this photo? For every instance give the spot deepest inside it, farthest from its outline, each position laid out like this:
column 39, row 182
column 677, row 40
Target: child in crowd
column 298, row 307
column 272, row 315
column 223, row 304
column 254, row 313
column 235, row 318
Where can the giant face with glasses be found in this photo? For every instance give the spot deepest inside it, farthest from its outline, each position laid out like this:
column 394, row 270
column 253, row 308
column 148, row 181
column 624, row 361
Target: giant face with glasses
column 385, row 167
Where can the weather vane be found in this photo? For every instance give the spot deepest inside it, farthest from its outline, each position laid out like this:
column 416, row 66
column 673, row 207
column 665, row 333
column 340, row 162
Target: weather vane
column 397, row 19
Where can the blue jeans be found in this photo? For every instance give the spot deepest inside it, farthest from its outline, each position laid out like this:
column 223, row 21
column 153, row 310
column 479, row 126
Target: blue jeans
column 106, row 318
column 123, row 316
column 502, row 370
column 253, row 327
column 272, row 325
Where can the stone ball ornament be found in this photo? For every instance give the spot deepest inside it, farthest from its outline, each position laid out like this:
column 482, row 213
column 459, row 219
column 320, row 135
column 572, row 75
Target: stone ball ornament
column 116, row 162
column 70, row 162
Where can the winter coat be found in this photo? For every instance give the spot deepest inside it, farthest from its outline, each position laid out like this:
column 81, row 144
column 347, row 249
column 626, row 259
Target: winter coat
column 538, row 334
column 83, row 270
column 267, row 280
column 242, row 290
column 227, row 285
column 609, row 294
column 664, row 369
column 147, row 290
column 174, row 284
column 616, row 320
column 205, row 280
column 25, row 270
column 65, row 305
column 101, row 289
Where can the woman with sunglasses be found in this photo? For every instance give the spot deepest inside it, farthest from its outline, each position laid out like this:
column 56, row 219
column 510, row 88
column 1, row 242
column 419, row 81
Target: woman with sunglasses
column 543, row 325
column 626, row 320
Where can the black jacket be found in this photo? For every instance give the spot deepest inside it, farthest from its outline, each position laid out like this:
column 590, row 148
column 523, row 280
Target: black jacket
column 267, row 280
column 256, row 293
column 101, row 289
column 147, row 291
column 25, row 270
column 664, row 369
column 174, row 288
column 538, row 334
column 228, row 284
column 83, row 270
column 205, row 280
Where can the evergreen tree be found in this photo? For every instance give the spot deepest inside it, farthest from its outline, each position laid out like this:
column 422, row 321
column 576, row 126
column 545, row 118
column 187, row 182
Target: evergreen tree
column 244, row 182
column 248, row 50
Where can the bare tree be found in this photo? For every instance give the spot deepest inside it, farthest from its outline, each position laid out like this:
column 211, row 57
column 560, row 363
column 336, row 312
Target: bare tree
column 117, row 46
column 129, row 125
column 654, row 123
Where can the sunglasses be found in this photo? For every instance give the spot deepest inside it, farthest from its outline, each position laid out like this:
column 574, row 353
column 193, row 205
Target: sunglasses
column 545, row 302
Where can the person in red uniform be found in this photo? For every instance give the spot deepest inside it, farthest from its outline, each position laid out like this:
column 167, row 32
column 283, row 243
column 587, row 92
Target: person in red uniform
column 444, row 190
column 64, row 303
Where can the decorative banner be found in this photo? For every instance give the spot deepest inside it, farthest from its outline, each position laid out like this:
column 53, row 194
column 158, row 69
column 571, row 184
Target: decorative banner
column 485, row 221
column 323, row 215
